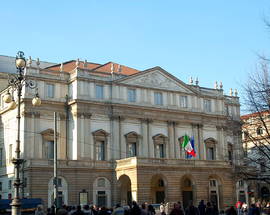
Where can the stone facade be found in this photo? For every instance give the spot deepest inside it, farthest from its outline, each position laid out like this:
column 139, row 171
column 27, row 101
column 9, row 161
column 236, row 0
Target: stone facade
column 255, row 139
column 119, row 136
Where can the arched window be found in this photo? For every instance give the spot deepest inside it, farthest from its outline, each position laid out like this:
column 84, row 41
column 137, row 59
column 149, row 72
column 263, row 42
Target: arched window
column 213, row 191
column 132, row 142
column 160, row 142
column 48, row 144
column 100, row 144
column 210, row 145
column 62, row 191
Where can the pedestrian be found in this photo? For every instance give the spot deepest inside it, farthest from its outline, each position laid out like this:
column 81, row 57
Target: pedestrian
column 244, row 208
column 162, row 209
column 151, row 210
column 87, row 210
column 78, row 211
column 231, row 211
column 135, row 209
column 191, row 209
column 202, row 207
column 39, row 210
column 118, row 210
column 209, row 209
column 177, row 210
column 143, row 209
column 253, row 210
column 62, row 211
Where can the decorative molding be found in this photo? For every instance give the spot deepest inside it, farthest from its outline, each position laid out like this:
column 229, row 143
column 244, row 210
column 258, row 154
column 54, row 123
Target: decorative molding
column 157, row 80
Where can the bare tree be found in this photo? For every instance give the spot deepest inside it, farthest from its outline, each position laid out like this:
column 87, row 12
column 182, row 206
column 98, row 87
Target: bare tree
column 256, row 125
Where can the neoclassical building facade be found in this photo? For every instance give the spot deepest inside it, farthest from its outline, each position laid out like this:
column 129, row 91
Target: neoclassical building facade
column 120, row 132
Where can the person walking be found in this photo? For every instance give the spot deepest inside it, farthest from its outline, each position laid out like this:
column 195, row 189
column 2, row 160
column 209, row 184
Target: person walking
column 118, row 210
column 177, row 210
column 39, row 210
column 143, row 209
column 78, row 211
column 151, row 210
column 135, row 209
column 191, row 209
column 209, row 209
column 202, row 207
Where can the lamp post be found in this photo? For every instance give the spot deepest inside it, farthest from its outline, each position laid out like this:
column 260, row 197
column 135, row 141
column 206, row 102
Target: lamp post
column 16, row 82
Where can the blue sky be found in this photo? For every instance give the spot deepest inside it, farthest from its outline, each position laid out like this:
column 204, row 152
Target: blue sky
column 209, row 39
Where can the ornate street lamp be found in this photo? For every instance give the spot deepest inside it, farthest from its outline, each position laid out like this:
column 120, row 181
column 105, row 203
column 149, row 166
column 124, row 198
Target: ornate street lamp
column 15, row 83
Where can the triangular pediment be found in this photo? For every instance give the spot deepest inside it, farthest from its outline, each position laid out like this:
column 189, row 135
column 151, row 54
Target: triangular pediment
column 157, row 78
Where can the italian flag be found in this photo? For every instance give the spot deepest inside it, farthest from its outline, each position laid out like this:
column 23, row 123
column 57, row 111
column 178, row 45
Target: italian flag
column 188, row 145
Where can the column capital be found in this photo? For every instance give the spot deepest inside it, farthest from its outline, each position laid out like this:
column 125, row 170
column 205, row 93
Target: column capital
column 146, row 120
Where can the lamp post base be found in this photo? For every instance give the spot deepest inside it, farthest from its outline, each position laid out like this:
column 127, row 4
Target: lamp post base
column 15, row 207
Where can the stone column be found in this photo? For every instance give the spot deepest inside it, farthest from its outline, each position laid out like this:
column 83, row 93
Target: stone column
column 62, row 137
column 177, row 144
column 88, row 140
column 201, row 145
column 151, row 150
column 115, row 140
column 170, row 149
column 220, row 143
column 122, row 142
column 144, row 143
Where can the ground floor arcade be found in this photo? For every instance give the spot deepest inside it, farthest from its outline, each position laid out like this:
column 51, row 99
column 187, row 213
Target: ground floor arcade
column 143, row 180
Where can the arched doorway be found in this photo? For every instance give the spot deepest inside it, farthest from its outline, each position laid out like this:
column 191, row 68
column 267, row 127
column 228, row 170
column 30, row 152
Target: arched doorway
column 124, row 183
column 62, row 191
column 102, row 192
column 158, row 189
column 187, row 192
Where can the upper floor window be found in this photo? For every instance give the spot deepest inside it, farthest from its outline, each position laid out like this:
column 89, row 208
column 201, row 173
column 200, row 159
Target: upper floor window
column 158, row 98
column 48, row 144
column 240, row 183
column 100, row 144
column 207, row 105
column 49, row 149
column 183, row 102
column 210, row 145
column 259, row 131
column 132, row 152
column 50, row 88
column 210, row 153
column 99, row 91
column 213, row 183
column 100, row 150
column 131, row 95
column 160, row 145
column 132, row 139
column 1, row 186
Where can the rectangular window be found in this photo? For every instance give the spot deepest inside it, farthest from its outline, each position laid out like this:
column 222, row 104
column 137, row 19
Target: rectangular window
column 50, row 149
column 9, row 184
column 183, row 102
column 213, row 183
column 101, row 150
column 1, row 157
column 1, row 186
column 132, row 150
column 160, row 151
column 50, row 90
column 207, row 105
column 210, row 153
column 99, row 91
column 158, row 98
column 131, row 95
column 10, row 153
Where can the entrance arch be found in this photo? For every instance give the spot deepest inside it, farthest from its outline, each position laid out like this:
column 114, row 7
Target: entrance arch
column 158, row 189
column 124, row 183
column 62, row 191
column 187, row 191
